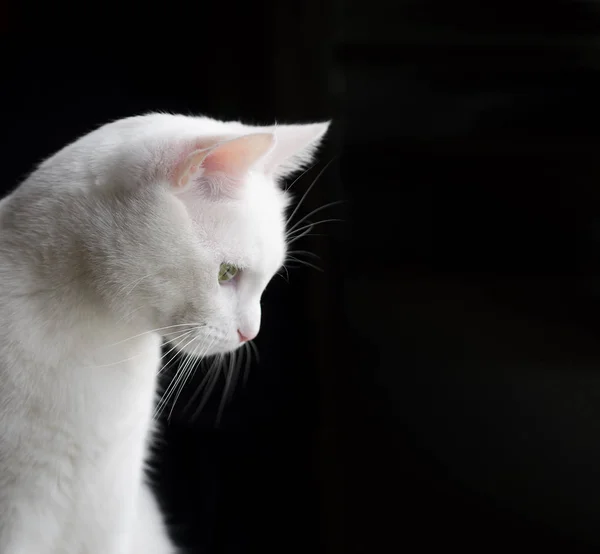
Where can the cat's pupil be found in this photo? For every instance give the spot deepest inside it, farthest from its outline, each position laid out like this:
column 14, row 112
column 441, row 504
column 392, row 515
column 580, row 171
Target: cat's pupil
column 227, row 272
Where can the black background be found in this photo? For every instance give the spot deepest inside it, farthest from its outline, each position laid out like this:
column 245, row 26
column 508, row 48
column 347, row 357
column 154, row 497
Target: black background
column 437, row 385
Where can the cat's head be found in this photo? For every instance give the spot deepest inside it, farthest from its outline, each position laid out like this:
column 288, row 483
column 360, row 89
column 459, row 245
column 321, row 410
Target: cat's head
column 197, row 239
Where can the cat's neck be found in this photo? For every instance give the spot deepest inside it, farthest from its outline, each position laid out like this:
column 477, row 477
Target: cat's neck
column 70, row 363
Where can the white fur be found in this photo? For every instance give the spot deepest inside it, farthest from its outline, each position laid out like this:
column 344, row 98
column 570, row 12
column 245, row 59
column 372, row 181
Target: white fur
column 101, row 259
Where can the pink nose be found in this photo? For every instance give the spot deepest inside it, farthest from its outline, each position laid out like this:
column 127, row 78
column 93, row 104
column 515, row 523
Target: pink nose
column 244, row 338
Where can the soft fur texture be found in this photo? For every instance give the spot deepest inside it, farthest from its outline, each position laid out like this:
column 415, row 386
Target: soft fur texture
column 110, row 247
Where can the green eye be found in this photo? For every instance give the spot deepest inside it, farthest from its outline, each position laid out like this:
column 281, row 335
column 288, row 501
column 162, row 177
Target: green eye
column 227, row 272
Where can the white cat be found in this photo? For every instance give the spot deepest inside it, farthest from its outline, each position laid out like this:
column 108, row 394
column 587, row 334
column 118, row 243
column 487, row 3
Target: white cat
column 151, row 228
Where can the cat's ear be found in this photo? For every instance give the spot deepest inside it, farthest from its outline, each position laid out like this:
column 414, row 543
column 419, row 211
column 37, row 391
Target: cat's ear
column 224, row 165
column 295, row 147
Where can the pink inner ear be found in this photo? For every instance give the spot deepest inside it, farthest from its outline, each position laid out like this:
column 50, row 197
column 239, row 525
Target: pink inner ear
column 189, row 169
column 232, row 159
column 236, row 157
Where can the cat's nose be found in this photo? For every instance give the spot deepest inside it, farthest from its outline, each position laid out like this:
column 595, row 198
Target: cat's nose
column 244, row 338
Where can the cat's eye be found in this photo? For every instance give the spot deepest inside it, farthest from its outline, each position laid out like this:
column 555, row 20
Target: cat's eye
column 227, row 272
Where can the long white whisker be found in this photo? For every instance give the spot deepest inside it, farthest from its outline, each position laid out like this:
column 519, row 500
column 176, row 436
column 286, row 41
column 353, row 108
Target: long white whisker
column 209, row 371
column 299, row 177
column 227, row 388
column 179, row 341
column 306, row 192
column 188, row 359
column 130, row 357
column 135, row 283
column 313, row 212
column 183, row 371
column 255, row 349
column 210, row 385
column 164, row 401
column 293, row 233
column 307, row 234
column 286, row 278
column 305, row 253
column 193, row 361
column 116, row 363
column 291, row 240
column 120, row 361
column 169, row 391
column 153, row 331
column 247, row 365
column 129, row 314
column 174, row 347
column 238, row 368
column 304, row 262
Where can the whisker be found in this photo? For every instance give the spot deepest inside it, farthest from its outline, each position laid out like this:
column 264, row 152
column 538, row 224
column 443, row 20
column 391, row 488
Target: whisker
column 115, row 363
column 227, row 390
column 171, row 387
column 176, row 346
column 164, row 401
column 127, row 359
column 154, row 331
column 210, row 385
column 184, row 372
column 304, row 262
column 194, row 360
column 311, row 225
column 134, row 356
column 307, row 234
column 248, row 364
column 306, row 192
column 238, row 365
column 180, row 340
column 125, row 317
column 190, row 359
column 293, row 238
column 285, row 278
column 209, row 371
column 315, row 211
column 305, row 252
column 255, row 350
column 237, row 369
column 299, row 177
column 135, row 283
